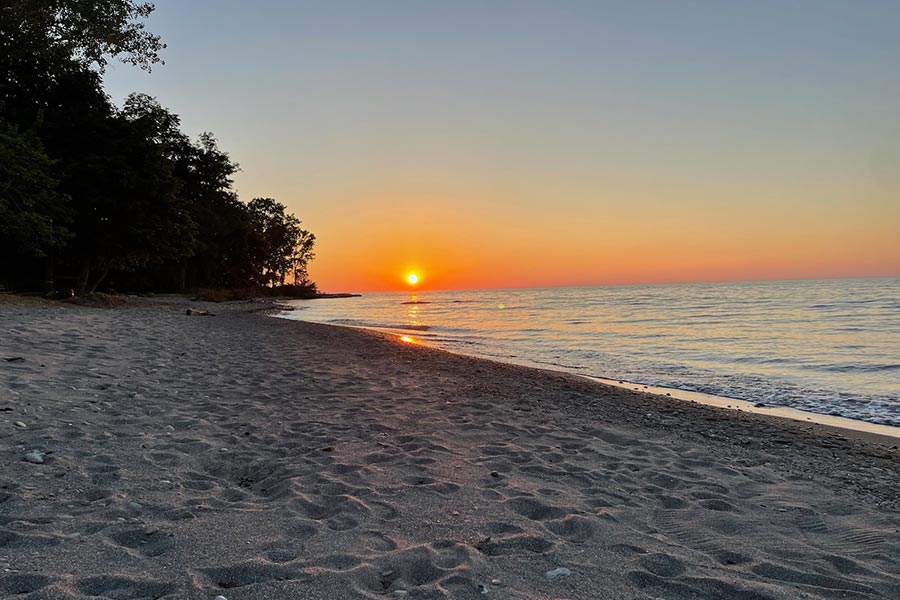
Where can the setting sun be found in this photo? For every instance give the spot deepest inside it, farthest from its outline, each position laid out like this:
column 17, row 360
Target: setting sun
column 412, row 279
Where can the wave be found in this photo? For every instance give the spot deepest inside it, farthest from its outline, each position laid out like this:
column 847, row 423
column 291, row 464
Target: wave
column 856, row 368
column 375, row 325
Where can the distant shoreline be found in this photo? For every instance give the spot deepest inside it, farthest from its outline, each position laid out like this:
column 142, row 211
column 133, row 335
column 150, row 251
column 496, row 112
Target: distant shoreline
column 335, row 295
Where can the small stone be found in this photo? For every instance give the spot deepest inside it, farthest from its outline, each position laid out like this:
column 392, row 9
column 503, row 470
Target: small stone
column 135, row 505
column 20, row 424
column 558, row 572
column 220, row 598
column 455, row 513
column 495, row 582
column 35, row 457
column 495, row 474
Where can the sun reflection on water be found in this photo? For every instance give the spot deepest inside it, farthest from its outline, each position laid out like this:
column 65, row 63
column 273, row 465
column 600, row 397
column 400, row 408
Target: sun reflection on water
column 412, row 314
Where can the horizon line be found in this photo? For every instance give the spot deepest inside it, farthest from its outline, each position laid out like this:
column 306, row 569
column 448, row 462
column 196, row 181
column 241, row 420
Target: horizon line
column 597, row 285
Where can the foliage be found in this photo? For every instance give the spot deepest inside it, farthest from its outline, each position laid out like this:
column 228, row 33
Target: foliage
column 89, row 32
column 281, row 245
column 119, row 197
column 32, row 212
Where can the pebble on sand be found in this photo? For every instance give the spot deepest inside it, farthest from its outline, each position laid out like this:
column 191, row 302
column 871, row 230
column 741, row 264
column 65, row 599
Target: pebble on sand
column 558, row 572
column 220, row 598
column 35, row 456
column 20, row 424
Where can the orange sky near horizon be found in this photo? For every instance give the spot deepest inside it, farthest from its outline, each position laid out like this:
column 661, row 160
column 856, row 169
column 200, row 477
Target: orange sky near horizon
column 467, row 238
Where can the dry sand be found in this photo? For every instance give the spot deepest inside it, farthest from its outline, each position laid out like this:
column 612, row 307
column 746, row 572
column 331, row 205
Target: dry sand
column 251, row 457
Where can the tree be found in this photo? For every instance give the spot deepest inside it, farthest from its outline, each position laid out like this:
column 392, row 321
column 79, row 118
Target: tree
column 130, row 212
column 281, row 245
column 303, row 254
column 32, row 213
column 120, row 179
column 221, row 256
column 43, row 42
column 125, row 191
column 88, row 32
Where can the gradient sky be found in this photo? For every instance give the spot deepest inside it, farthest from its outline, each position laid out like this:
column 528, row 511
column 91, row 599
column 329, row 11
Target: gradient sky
column 519, row 143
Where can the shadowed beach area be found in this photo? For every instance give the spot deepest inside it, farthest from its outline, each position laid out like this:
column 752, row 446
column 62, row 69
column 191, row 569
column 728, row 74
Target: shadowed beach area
column 148, row 453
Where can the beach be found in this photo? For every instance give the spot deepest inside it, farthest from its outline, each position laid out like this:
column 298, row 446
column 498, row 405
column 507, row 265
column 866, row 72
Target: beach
column 149, row 453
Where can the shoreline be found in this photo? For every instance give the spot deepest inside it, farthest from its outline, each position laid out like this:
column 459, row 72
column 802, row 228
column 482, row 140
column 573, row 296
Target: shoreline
column 723, row 402
column 771, row 410
column 186, row 456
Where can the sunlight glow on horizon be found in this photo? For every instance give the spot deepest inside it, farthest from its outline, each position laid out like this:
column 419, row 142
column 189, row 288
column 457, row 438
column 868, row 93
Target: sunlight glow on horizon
column 557, row 144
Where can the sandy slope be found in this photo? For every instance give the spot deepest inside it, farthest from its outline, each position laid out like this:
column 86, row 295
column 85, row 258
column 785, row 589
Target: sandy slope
column 253, row 457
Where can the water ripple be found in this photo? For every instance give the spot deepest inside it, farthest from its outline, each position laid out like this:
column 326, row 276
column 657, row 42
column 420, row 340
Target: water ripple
column 831, row 347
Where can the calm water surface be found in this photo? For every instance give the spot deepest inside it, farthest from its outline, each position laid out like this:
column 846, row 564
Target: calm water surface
column 830, row 346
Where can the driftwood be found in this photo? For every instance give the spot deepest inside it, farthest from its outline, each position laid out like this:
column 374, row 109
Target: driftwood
column 271, row 307
column 199, row 313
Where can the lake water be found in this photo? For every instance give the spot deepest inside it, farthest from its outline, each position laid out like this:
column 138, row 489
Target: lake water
column 829, row 346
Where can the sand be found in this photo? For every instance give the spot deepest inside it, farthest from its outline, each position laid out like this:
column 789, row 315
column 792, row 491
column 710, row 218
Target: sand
column 252, row 457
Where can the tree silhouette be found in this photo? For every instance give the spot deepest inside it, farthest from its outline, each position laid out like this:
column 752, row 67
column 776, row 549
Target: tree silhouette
column 101, row 193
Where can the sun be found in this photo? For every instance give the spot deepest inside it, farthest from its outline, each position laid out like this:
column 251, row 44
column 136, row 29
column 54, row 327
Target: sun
column 412, row 279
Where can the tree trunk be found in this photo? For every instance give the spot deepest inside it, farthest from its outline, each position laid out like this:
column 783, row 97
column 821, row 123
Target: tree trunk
column 49, row 285
column 83, row 278
column 182, row 277
column 100, row 280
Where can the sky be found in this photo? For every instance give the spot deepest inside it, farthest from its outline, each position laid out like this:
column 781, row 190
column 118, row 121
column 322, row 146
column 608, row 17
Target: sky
column 520, row 144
